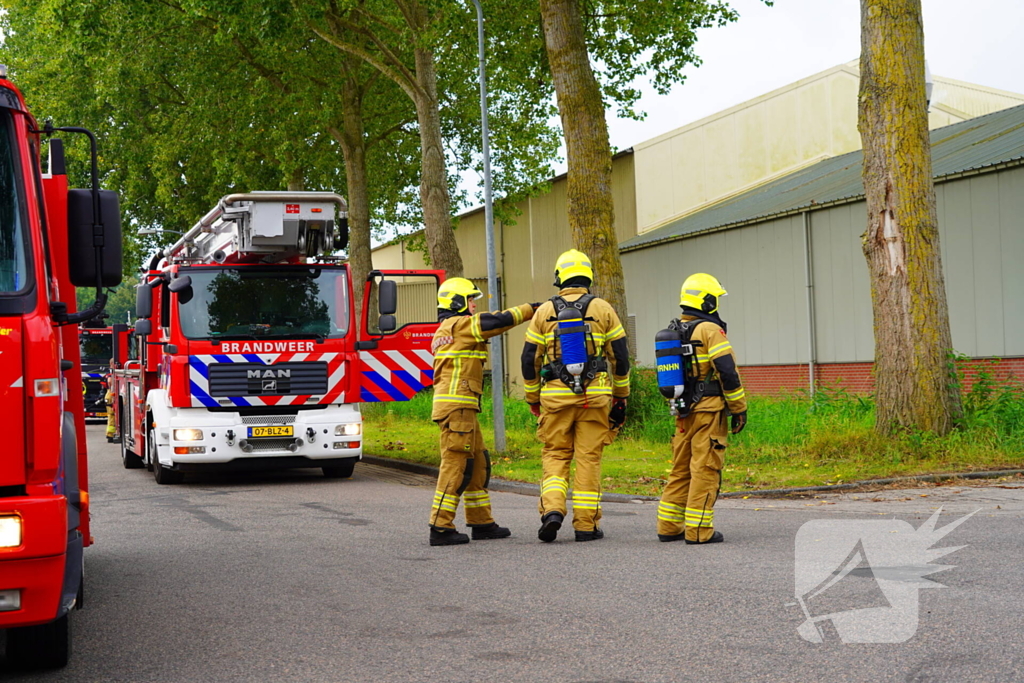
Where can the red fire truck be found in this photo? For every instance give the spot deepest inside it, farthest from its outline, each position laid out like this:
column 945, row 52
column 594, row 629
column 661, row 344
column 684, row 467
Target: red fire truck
column 100, row 353
column 250, row 353
column 52, row 239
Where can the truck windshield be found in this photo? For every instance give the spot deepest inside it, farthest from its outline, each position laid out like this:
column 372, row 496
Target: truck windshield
column 294, row 302
column 14, row 275
column 97, row 349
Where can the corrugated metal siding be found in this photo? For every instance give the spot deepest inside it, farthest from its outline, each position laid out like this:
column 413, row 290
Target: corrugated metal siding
column 762, row 267
column 970, row 145
column 844, row 326
column 981, row 221
column 981, row 225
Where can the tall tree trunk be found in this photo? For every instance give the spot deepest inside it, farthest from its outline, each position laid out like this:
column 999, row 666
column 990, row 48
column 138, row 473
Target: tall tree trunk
column 591, row 209
column 911, row 319
column 352, row 140
column 437, row 218
column 296, row 180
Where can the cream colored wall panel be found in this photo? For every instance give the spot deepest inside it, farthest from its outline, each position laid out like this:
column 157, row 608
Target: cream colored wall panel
column 472, row 245
column 752, row 156
column 624, row 196
column 688, row 171
column 720, row 155
column 389, row 257
column 782, row 143
column 813, row 120
column 973, row 100
column 843, row 113
column 654, row 183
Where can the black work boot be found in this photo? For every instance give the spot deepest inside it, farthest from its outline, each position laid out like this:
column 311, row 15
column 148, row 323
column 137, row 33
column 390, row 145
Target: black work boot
column 447, row 537
column 665, row 538
column 549, row 526
column 492, row 530
column 595, row 535
column 716, row 537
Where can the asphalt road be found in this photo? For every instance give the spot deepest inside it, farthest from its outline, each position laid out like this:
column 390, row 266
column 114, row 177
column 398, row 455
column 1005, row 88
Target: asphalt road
column 293, row 577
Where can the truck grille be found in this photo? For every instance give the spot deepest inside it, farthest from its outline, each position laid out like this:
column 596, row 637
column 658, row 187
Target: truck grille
column 268, row 419
column 281, row 379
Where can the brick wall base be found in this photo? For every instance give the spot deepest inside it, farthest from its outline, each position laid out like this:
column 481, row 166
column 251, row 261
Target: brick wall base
column 858, row 378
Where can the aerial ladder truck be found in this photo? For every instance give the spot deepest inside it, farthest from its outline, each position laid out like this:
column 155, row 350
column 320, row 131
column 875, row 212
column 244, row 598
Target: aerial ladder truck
column 251, row 355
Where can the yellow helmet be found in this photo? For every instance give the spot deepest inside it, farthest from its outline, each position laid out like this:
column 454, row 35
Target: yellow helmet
column 572, row 264
column 701, row 291
column 454, row 294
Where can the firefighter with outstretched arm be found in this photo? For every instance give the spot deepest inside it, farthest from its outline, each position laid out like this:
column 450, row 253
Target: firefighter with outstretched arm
column 460, row 351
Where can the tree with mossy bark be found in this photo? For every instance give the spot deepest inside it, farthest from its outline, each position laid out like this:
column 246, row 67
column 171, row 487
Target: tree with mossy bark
column 914, row 389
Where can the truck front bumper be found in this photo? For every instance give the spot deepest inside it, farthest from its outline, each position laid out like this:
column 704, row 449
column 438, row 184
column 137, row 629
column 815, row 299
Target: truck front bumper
column 32, row 573
column 317, row 436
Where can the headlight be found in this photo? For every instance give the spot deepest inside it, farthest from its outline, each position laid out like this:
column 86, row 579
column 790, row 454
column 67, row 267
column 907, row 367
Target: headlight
column 188, row 434
column 10, row 531
column 351, row 429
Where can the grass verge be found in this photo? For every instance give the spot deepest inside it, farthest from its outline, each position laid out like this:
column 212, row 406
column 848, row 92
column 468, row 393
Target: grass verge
column 793, row 440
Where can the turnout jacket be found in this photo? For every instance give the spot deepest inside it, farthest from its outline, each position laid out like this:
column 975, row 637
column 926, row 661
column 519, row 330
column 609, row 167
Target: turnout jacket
column 460, row 351
column 715, row 356
column 605, row 333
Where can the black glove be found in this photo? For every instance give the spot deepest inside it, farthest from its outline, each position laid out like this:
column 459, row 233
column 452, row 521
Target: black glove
column 739, row 421
column 617, row 415
column 536, row 305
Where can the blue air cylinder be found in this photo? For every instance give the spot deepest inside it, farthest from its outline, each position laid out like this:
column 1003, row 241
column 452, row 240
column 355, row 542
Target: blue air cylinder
column 668, row 349
column 573, row 342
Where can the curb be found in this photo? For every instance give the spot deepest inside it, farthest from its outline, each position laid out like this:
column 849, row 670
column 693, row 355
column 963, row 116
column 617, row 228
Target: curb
column 525, row 489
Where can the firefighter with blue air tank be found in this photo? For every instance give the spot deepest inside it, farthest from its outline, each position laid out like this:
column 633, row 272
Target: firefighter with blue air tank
column 460, row 351
column 575, row 367
column 697, row 374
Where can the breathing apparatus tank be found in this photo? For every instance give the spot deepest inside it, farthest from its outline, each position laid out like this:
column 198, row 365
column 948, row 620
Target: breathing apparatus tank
column 668, row 349
column 573, row 345
column 673, row 355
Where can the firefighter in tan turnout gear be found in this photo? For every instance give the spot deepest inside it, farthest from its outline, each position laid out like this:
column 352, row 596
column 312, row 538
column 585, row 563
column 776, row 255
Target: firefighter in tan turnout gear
column 460, row 350
column 711, row 392
column 577, row 347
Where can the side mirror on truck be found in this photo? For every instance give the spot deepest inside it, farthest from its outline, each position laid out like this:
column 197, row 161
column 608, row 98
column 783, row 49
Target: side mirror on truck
column 143, row 327
column 143, row 301
column 86, row 238
column 387, row 298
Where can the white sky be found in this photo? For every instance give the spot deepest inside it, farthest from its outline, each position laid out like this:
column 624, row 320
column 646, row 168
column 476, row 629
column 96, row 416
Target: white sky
column 979, row 41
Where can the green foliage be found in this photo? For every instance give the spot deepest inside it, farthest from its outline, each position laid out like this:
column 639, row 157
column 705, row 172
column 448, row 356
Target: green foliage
column 792, row 440
column 120, row 300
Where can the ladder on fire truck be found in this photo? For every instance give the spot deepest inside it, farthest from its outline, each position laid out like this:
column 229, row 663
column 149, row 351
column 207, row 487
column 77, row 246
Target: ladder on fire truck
column 266, row 227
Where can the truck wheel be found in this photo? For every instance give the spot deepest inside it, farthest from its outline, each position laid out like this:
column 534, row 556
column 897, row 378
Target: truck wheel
column 130, row 460
column 339, row 472
column 47, row 646
column 163, row 475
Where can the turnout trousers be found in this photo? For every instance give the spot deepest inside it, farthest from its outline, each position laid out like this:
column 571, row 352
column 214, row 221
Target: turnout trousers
column 465, row 472
column 580, row 434
column 698, row 453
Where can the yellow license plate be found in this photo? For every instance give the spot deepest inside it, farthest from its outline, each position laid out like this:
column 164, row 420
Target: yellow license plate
column 257, row 432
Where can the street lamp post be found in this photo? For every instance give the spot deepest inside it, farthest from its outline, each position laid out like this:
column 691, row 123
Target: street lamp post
column 497, row 357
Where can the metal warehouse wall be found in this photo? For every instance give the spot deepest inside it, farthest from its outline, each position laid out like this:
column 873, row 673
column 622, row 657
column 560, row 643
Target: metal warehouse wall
column 981, row 221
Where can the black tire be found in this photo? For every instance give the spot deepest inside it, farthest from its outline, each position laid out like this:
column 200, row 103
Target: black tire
column 130, row 460
column 163, row 475
column 339, row 472
column 47, row 646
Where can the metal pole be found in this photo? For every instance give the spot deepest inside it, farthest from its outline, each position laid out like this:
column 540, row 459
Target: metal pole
column 812, row 347
column 497, row 356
